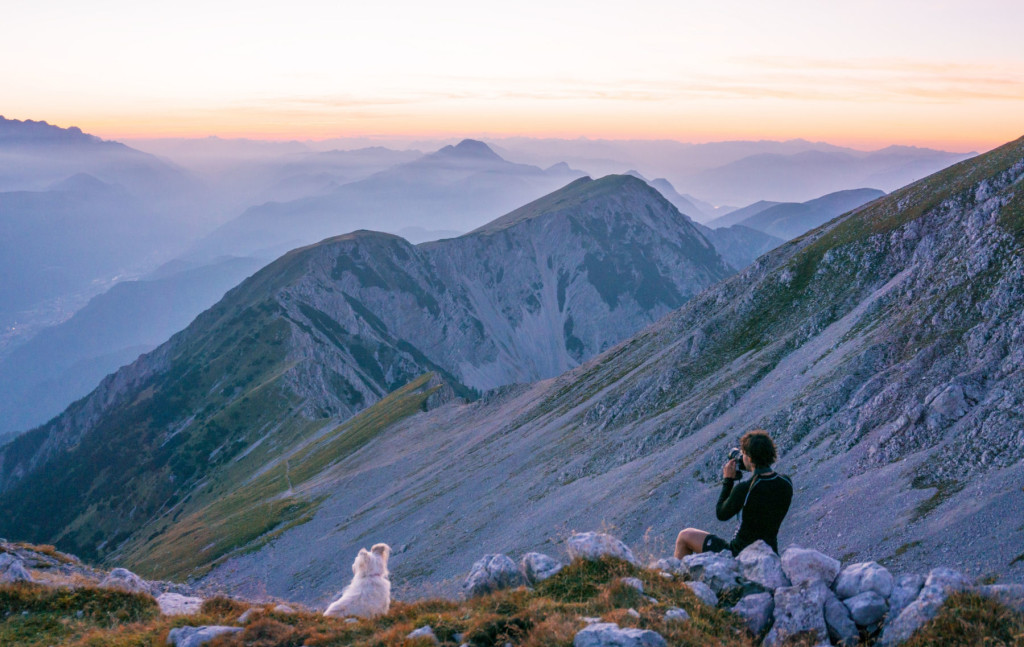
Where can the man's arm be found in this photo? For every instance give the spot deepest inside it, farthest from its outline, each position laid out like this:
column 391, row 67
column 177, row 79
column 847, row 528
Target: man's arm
column 730, row 500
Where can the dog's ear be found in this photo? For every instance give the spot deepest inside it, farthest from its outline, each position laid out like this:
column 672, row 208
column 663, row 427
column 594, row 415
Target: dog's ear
column 383, row 550
column 362, row 562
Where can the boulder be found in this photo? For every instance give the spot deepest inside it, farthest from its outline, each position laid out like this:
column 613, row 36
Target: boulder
column 720, row 571
column 608, row 634
column 538, row 567
column 12, row 569
column 804, row 565
column 595, row 545
column 492, row 573
column 426, row 631
column 904, row 591
column 196, row 636
column 121, row 579
column 248, row 615
column 937, row 587
column 865, row 576
column 798, row 609
column 671, row 565
column 1012, row 595
column 842, row 630
column 174, row 604
column 633, row 582
column 867, row 608
column 759, row 563
column 283, row 608
column 756, row 611
column 703, row 593
column 675, row 614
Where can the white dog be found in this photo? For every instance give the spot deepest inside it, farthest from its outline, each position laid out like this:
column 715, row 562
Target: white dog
column 369, row 594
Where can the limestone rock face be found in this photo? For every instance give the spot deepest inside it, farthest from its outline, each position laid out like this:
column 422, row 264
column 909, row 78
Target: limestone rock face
column 940, row 583
column 867, row 608
column 492, row 573
column 756, row 611
column 13, row 569
column 175, row 604
column 607, row 634
column 196, row 636
column 804, row 565
column 759, row 563
column 595, row 545
column 538, row 567
column 865, row 576
column 121, row 579
column 720, row 571
column 703, row 593
column 798, row 608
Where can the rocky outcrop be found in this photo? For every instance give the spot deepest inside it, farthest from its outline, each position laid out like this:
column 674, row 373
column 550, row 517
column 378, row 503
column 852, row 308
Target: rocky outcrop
column 121, row 579
column 595, row 545
column 198, row 636
column 538, row 567
column 492, row 573
column 804, row 566
column 607, row 634
column 760, row 564
column 720, row 571
column 12, row 569
column 175, row 604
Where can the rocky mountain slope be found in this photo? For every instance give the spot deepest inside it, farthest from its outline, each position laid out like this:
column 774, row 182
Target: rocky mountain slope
column 788, row 220
column 883, row 352
column 325, row 332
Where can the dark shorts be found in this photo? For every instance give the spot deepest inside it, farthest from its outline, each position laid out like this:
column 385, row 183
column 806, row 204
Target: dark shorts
column 715, row 544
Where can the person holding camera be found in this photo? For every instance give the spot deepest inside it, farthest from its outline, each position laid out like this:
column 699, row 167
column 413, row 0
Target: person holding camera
column 762, row 501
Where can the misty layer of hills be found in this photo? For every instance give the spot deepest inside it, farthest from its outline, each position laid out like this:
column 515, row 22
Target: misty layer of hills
column 788, row 220
column 881, row 350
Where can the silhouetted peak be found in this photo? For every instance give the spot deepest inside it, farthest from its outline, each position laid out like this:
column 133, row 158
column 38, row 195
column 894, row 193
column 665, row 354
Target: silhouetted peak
column 470, row 149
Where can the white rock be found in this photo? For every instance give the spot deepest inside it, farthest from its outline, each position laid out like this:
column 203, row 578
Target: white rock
column 591, row 619
column 608, row 634
column 492, row 573
column 595, row 545
column 174, row 604
column 803, row 566
column 675, row 614
column 865, row 576
column 633, row 613
column 756, row 611
column 703, row 593
column 760, row 564
column 538, row 567
column 798, row 608
column 283, row 608
column 867, row 608
column 904, row 591
column 426, row 631
column 196, row 636
column 720, row 571
column 841, row 627
column 670, row 565
column 12, row 569
column 940, row 583
column 633, row 582
column 121, row 579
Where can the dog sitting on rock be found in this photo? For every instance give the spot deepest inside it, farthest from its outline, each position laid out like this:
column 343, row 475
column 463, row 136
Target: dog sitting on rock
column 369, row 593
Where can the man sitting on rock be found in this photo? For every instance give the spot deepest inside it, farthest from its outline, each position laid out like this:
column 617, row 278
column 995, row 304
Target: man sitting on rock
column 763, row 499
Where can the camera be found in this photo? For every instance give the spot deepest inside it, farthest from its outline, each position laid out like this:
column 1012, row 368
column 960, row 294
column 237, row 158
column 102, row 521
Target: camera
column 736, row 455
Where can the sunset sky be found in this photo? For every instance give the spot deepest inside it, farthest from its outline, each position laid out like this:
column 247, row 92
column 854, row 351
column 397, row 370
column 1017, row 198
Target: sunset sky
column 866, row 74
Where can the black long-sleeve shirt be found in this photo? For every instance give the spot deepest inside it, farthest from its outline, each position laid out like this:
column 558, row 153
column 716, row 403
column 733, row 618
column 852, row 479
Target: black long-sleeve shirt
column 764, row 506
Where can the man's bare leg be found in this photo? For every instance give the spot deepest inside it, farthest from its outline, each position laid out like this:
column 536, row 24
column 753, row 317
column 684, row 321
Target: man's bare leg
column 690, row 541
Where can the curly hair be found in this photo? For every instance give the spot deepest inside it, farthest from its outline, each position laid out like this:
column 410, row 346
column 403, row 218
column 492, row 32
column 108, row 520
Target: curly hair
column 758, row 445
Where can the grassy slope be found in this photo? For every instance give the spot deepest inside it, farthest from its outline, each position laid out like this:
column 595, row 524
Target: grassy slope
column 239, row 511
column 549, row 616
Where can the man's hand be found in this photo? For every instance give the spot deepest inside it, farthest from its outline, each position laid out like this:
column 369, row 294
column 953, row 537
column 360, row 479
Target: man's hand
column 729, row 470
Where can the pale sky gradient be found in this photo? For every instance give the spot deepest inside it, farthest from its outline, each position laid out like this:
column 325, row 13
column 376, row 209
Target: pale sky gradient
column 866, row 73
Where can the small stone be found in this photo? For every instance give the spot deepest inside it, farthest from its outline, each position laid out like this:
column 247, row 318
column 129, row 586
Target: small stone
column 633, row 582
column 492, row 573
column 196, row 636
column 756, row 611
column 803, row 566
column 173, row 604
column 865, row 576
column 595, row 545
column 121, row 579
column 283, row 608
column 867, row 608
column 671, row 565
column 608, row 634
column 666, row 576
column 675, row 614
column 590, row 620
column 426, row 631
column 538, row 567
column 703, row 593
column 759, row 563
column 350, row 621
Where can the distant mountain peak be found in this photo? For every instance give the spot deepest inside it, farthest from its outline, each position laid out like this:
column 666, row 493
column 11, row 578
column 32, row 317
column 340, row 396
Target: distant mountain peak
column 470, row 149
column 16, row 130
